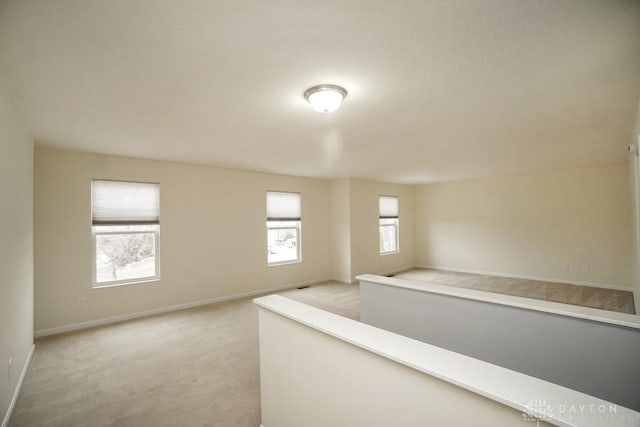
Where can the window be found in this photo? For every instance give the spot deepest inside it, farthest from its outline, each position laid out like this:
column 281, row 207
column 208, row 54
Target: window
column 283, row 227
column 125, row 228
column 388, row 213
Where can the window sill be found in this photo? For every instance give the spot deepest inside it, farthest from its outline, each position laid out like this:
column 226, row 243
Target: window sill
column 389, row 253
column 275, row 264
column 128, row 283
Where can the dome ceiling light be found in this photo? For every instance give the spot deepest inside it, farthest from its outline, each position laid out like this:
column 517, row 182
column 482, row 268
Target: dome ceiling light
column 325, row 98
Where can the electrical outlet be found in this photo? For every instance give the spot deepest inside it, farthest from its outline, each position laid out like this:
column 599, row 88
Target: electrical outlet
column 586, row 268
column 81, row 302
column 566, row 266
column 10, row 368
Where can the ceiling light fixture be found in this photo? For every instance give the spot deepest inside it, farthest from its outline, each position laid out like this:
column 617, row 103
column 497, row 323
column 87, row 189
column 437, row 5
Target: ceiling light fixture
column 325, row 98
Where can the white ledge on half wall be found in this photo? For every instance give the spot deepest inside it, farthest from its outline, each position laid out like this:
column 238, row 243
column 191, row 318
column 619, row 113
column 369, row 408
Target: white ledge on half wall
column 587, row 313
column 502, row 385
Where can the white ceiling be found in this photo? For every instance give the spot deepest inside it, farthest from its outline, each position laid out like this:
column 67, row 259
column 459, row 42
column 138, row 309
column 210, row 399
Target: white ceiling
column 438, row 90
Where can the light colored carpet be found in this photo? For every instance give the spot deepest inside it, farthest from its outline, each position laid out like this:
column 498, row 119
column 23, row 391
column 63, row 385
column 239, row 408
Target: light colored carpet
column 605, row 299
column 335, row 297
column 196, row 367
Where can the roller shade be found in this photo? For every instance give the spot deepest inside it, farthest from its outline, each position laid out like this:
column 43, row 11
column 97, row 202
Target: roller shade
column 283, row 206
column 388, row 206
column 121, row 203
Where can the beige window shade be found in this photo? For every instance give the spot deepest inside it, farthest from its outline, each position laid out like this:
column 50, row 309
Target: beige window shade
column 283, row 206
column 388, row 206
column 120, row 203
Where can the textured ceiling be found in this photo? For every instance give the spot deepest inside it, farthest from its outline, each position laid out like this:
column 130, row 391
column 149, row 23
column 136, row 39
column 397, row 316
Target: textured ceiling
column 438, row 90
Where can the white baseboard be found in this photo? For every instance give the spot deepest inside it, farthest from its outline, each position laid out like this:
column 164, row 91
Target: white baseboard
column 521, row 276
column 16, row 392
column 152, row 312
column 342, row 280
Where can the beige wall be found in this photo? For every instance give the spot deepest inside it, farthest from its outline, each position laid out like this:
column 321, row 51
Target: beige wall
column 553, row 224
column 340, row 230
column 634, row 179
column 633, row 190
column 365, row 235
column 213, row 236
column 355, row 232
column 16, row 248
column 573, row 225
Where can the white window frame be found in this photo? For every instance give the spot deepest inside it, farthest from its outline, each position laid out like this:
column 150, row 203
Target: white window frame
column 279, row 224
column 132, row 281
column 98, row 230
column 296, row 225
column 396, row 225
